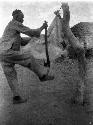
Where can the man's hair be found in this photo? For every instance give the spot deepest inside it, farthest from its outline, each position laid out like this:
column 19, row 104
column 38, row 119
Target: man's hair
column 16, row 12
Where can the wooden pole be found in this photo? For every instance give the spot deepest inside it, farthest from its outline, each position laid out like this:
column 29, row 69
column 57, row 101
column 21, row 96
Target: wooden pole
column 47, row 64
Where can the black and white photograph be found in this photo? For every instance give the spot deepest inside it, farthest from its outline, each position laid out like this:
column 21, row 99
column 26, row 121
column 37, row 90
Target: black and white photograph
column 46, row 62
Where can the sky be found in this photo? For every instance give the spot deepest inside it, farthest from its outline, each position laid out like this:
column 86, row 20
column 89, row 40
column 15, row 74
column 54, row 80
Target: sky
column 36, row 11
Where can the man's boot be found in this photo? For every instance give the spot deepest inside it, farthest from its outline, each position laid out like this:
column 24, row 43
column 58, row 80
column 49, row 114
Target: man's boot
column 46, row 78
column 18, row 100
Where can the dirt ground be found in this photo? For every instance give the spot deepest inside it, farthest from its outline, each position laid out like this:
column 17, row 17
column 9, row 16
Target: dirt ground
column 48, row 102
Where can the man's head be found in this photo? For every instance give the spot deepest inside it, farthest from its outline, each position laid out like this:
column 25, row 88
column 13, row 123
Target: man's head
column 18, row 15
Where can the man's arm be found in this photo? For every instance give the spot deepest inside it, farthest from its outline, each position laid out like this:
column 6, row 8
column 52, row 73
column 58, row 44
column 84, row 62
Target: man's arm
column 26, row 30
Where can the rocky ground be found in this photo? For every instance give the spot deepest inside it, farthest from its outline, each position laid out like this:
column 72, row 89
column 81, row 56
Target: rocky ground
column 48, row 102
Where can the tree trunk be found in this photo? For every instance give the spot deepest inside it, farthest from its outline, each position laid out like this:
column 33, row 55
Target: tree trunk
column 78, row 49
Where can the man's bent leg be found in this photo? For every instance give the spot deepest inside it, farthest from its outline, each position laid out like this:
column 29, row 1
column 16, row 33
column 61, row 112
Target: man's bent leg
column 38, row 69
column 27, row 60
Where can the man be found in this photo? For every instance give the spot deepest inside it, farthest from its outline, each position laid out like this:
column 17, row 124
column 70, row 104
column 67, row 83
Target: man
column 10, row 53
column 78, row 50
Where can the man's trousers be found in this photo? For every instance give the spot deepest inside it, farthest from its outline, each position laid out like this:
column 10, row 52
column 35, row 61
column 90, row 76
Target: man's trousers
column 8, row 60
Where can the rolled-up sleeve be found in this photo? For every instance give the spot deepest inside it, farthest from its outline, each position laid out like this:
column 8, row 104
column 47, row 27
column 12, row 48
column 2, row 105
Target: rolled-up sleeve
column 25, row 30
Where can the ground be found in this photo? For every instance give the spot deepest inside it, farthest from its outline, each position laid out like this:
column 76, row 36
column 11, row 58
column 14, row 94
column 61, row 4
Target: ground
column 48, row 102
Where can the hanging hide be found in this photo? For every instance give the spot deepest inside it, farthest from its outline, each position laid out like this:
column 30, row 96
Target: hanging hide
column 36, row 46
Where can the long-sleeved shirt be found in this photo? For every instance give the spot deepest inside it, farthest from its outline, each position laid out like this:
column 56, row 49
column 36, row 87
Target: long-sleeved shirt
column 12, row 36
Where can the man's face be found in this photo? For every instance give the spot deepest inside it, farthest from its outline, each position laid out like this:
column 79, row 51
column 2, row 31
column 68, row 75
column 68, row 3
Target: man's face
column 20, row 17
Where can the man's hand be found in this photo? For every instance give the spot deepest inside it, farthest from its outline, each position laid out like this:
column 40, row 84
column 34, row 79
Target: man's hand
column 45, row 25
